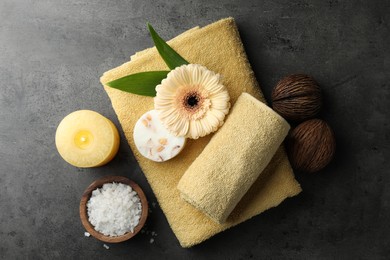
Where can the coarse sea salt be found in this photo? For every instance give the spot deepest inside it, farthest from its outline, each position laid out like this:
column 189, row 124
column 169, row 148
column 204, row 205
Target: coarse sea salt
column 114, row 209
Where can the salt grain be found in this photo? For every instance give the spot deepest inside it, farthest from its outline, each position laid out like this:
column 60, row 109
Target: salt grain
column 86, row 234
column 106, row 246
column 151, row 240
column 114, row 209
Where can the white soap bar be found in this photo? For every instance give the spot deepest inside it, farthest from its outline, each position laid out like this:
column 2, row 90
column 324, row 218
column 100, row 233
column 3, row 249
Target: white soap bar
column 154, row 141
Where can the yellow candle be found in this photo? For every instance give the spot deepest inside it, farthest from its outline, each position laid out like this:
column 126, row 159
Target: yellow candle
column 85, row 138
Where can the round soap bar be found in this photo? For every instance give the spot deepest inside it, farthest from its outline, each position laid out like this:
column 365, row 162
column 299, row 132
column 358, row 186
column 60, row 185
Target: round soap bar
column 154, row 141
column 85, row 139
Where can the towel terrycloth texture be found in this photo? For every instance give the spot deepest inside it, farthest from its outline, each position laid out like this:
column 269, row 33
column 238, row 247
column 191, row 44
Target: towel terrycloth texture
column 218, row 47
column 234, row 158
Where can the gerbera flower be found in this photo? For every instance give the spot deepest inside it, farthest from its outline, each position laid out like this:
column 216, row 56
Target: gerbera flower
column 191, row 101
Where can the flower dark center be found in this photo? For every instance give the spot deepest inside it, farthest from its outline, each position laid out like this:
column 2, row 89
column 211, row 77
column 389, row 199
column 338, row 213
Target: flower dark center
column 192, row 100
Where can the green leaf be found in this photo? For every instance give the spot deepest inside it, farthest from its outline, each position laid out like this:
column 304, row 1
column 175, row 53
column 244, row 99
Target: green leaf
column 169, row 55
column 143, row 83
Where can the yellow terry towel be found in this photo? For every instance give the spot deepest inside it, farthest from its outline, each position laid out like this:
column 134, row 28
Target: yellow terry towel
column 234, row 158
column 218, row 47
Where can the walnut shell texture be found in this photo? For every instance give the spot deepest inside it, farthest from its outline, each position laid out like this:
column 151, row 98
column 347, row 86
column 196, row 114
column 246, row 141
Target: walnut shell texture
column 297, row 97
column 311, row 145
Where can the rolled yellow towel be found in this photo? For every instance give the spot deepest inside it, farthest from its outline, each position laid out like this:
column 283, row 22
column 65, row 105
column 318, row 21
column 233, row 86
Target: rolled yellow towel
column 218, row 47
column 234, row 158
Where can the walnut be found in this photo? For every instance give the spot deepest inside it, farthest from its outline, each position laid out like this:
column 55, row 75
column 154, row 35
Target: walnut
column 311, row 145
column 297, row 97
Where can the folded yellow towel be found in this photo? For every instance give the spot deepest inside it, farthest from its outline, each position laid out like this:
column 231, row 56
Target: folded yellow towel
column 218, row 47
column 234, row 158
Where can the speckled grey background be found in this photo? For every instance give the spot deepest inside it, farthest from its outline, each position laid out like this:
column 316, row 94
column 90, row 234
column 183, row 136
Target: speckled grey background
column 52, row 54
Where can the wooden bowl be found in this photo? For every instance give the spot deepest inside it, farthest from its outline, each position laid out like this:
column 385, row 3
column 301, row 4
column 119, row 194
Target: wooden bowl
column 84, row 212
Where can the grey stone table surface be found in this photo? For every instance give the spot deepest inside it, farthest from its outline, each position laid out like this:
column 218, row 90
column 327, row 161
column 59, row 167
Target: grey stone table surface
column 52, row 54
